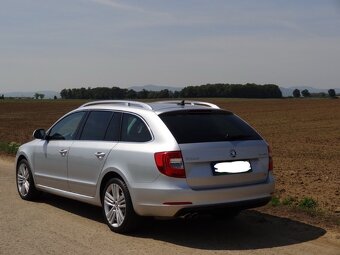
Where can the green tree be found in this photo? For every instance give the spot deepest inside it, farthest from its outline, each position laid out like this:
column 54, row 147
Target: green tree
column 64, row 94
column 305, row 93
column 296, row 93
column 176, row 94
column 331, row 92
column 38, row 95
column 131, row 94
column 165, row 93
column 143, row 94
column 249, row 90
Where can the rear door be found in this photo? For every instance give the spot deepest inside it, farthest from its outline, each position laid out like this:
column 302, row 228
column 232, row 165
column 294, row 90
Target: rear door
column 88, row 154
column 209, row 137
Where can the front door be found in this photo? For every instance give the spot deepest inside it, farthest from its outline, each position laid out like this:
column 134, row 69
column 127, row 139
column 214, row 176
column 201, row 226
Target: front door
column 51, row 154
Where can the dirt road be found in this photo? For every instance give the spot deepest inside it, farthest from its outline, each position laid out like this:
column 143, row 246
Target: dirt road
column 60, row 226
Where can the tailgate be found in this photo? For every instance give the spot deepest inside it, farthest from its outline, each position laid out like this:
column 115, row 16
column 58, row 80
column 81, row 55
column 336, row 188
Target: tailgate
column 200, row 158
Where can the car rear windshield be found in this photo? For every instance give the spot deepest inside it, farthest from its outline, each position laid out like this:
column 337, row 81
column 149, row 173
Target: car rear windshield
column 207, row 126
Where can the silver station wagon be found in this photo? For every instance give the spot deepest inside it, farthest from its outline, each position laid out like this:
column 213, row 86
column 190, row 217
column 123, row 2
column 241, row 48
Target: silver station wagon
column 161, row 159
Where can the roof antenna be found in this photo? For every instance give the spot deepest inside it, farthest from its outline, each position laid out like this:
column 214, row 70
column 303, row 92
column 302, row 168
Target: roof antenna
column 182, row 103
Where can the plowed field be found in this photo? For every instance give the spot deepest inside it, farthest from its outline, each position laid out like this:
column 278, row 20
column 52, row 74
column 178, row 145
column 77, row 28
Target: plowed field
column 304, row 135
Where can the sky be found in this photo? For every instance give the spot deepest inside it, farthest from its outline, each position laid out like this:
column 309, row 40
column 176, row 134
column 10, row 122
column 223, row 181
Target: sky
column 56, row 44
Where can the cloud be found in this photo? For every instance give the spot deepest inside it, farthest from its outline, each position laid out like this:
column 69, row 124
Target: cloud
column 123, row 6
column 120, row 6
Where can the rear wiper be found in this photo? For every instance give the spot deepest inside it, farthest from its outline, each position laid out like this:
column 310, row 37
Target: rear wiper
column 236, row 137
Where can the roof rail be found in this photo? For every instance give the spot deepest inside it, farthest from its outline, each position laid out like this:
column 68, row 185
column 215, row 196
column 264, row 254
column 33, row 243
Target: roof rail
column 184, row 102
column 119, row 102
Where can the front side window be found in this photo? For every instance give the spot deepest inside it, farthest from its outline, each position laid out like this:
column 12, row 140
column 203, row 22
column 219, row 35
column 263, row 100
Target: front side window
column 96, row 125
column 134, row 129
column 66, row 128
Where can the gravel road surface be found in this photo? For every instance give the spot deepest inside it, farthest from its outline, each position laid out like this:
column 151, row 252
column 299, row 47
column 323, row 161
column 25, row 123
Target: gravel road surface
column 56, row 225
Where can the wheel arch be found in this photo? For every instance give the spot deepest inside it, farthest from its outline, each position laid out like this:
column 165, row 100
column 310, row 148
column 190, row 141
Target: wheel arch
column 21, row 157
column 107, row 176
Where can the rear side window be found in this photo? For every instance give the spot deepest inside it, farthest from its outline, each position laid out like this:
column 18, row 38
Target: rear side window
column 96, row 125
column 207, row 126
column 134, row 129
column 113, row 131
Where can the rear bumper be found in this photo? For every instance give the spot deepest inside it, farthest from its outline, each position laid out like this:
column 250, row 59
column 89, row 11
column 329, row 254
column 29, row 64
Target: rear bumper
column 149, row 201
column 240, row 205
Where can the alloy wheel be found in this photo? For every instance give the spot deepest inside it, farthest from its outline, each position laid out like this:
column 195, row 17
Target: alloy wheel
column 115, row 205
column 23, row 179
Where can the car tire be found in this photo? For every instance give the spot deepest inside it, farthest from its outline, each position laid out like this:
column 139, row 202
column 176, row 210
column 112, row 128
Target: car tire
column 25, row 182
column 117, row 207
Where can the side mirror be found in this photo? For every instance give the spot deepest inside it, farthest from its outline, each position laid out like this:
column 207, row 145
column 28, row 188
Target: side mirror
column 39, row 133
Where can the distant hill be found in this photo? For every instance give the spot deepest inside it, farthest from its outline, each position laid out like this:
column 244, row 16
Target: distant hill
column 47, row 93
column 286, row 92
column 151, row 87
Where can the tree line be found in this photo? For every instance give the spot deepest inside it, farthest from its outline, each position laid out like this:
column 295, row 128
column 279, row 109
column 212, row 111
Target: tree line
column 249, row 90
column 305, row 93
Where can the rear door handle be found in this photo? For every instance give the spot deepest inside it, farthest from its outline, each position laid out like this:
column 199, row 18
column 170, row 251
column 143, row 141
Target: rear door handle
column 63, row 152
column 100, row 155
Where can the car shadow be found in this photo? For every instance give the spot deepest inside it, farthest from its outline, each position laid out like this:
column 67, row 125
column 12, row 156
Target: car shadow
column 72, row 206
column 248, row 231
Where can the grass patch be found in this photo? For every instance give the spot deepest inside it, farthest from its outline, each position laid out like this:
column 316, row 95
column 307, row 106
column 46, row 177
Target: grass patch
column 309, row 206
column 307, row 203
column 289, row 201
column 9, row 148
column 275, row 201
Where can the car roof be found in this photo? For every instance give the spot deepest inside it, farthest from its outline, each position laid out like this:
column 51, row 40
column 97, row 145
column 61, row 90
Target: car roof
column 158, row 106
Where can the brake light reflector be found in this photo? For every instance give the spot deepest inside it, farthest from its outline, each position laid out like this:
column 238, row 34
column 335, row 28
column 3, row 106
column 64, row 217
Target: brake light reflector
column 170, row 163
column 270, row 164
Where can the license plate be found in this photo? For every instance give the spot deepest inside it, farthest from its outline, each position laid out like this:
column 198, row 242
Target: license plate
column 234, row 167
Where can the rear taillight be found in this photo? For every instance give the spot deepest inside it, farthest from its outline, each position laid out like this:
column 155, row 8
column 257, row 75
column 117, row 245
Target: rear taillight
column 270, row 164
column 170, row 163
